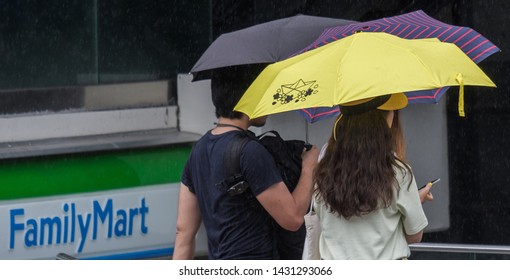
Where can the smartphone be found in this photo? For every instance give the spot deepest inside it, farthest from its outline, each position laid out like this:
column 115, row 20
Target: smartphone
column 432, row 182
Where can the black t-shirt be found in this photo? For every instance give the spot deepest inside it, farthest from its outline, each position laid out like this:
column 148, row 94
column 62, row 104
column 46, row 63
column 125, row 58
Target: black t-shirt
column 237, row 227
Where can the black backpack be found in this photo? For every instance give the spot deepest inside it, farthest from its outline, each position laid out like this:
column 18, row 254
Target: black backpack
column 287, row 156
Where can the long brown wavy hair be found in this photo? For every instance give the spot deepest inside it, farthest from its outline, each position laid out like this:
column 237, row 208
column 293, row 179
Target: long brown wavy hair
column 356, row 176
column 397, row 132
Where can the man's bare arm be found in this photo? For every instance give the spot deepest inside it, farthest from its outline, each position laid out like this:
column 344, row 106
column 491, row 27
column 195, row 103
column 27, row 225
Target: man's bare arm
column 188, row 223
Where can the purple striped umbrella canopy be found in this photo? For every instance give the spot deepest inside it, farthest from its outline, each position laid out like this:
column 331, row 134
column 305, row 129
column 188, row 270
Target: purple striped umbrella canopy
column 415, row 25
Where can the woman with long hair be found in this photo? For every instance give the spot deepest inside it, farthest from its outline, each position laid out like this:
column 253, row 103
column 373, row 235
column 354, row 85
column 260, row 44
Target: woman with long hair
column 366, row 196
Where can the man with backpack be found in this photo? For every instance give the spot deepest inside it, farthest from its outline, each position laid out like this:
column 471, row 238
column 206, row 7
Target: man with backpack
column 237, row 211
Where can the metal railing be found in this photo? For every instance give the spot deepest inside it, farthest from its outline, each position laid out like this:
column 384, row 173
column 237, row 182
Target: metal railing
column 64, row 256
column 440, row 248
column 460, row 248
column 459, row 251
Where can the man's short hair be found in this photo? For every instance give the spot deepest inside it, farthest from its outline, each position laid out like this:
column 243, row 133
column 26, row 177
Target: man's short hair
column 228, row 85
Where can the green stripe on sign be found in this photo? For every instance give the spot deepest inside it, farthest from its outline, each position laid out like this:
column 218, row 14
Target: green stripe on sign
column 89, row 172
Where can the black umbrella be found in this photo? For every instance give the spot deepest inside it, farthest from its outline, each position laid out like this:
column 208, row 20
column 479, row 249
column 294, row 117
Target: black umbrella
column 263, row 43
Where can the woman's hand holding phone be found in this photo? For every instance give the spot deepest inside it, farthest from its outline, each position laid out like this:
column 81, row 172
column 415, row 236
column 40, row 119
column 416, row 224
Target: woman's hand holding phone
column 424, row 191
column 431, row 183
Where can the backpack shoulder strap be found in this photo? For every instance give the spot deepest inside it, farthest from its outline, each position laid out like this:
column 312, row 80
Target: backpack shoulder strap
column 232, row 159
column 234, row 183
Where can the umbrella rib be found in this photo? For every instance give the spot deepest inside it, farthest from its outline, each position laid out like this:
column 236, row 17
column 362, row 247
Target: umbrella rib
column 344, row 57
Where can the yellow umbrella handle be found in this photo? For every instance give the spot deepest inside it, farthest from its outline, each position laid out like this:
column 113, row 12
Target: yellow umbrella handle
column 462, row 113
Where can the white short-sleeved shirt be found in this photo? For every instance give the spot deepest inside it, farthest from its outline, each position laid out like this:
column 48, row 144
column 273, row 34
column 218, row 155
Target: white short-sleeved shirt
column 378, row 235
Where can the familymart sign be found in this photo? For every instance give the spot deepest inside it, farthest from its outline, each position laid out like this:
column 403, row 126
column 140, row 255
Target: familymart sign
column 100, row 224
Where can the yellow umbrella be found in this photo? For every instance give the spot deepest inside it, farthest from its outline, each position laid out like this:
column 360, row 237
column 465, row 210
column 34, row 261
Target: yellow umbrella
column 359, row 66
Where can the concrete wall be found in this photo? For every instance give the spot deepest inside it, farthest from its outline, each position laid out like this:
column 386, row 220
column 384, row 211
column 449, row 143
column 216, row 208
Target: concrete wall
column 74, row 124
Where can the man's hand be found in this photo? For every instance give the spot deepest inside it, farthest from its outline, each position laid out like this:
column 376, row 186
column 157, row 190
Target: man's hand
column 310, row 158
